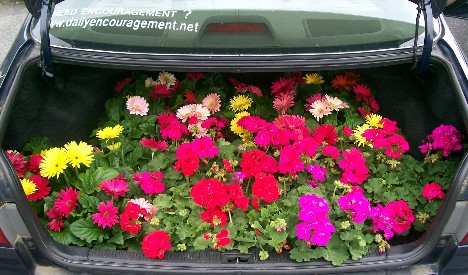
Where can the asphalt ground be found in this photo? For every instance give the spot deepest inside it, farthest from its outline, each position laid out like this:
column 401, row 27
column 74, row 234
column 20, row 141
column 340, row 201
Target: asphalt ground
column 13, row 13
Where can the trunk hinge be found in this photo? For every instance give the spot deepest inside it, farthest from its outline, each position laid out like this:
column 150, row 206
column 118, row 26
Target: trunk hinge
column 46, row 53
column 425, row 7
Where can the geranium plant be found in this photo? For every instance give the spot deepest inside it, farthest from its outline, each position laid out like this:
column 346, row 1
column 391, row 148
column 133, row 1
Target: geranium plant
column 207, row 161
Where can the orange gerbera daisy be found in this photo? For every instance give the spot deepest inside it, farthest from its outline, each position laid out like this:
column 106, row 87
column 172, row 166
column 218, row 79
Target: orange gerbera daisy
column 343, row 82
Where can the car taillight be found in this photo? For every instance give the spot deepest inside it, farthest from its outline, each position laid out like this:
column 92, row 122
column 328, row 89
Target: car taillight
column 236, row 27
column 3, row 240
column 464, row 241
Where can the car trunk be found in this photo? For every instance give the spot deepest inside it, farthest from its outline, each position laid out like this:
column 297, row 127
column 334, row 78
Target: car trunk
column 67, row 109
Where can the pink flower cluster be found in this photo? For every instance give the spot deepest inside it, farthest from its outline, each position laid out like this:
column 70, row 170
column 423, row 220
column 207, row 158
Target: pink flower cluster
column 387, row 138
column 445, row 138
column 150, row 182
column 395, row 217
column 432, row 190
column 188, row 154
column 354, row 167
column 171, row 127
column 315, row 227
column 285, row 130
column 356, row 204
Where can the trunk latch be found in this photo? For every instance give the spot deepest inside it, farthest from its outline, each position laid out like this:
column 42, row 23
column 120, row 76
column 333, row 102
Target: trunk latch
column 46, row 53
column 425, row 7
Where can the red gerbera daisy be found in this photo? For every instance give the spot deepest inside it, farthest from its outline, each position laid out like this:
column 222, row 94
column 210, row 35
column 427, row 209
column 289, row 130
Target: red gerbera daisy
column 160, row 91
column 121, row 84
column 195, row 76
column 17, row 160
column 42, row 188
column 282, row 86
column 33, row 163
column 56, row 224
column 152, row 143
column 67, row 201
column 107, row 215
column 190, row 97
column 361, row 91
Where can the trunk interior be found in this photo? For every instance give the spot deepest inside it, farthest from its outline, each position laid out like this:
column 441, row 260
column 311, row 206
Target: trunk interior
column 68, row 108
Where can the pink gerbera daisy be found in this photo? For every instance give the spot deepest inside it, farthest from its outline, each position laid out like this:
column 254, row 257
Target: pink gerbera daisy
column 116, row 187
column 212, row 102
column 283, row 102
column 319, row 109
column 67, row 201
column 188, row 111
column 137, row 105
column 106, row 215
column 152, row 143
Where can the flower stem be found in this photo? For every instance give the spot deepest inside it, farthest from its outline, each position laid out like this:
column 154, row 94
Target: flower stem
column 66, row 178
column 230, row 217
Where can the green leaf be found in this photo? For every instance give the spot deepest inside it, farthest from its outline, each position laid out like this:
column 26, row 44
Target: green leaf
column 301, row 252
column 105, row 246
column 183, row 231
column 114, row 109
column 226, row 149
column 337, row 251
column 64, row 237
column 117, row 238
column 277, row 238
column 91, row 179
column 172, row 174
column 87, row 231
column 89, row 203
column 201, row 244
column 36, row 144
column 161, row 161
column 133, row 157
column 392, row 179
column 357, row 251
column 373, row 185
column 163, row 201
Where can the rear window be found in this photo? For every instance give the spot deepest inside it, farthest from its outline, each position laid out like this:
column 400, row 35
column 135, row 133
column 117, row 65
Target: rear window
column 234, row 27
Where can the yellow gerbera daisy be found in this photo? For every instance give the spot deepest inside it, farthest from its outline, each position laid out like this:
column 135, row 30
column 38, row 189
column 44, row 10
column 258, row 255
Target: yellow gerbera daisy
column 79, row 153
column 313, row 79
column 357, row 134
column 238, row 130
column 374, row 120
column 54, row 163
column 114, row 146
column 110, row 132
column 29, row 187
column 240, row 103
